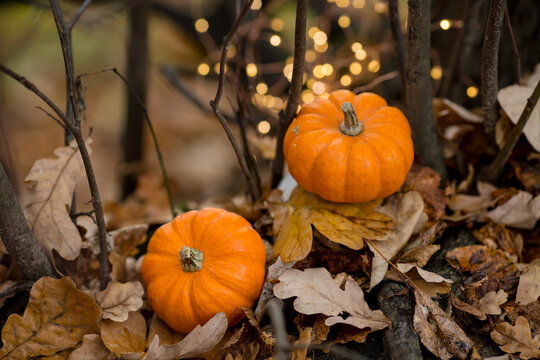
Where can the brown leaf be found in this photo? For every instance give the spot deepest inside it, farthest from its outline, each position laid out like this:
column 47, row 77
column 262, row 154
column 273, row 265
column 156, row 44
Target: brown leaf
column 127, row 239
column 301, row 345
column 317, row 292
column 430, row 283
column 517, row 338
column 498, row 236
column 51, row 184
column 62, row 355
column 463, row 306
column 92, row 348
column 117, row 300
column 346, row 224
column 125, row 338
column 492, row 270
column 528, row 289
column 57, row 316
column 521, row 211
column 472, row 207
column 531, row 312
column 491, row 303
column 420, row 255
column 167, row 336
column 427, row 182
column 410, row 208
column 274, row 271
column 437, row 331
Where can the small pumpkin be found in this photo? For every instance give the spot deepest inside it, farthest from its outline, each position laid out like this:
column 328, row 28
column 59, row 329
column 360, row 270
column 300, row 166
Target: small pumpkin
column 202, row 263
column 349, row 148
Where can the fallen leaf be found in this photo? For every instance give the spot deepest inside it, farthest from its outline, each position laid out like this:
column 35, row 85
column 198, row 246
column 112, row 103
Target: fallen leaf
column 410, row 207
column 51, row 183
column 92, row 348
column 346, row 224
column 62, row 355
column 127, row 239
column 530, row 311
column 528, row 289
column 274, row 271
column 167, row 336
column 491, row 303
column 427, row 182
column 127, row 338
column 427, row 236
column 428, row 282
column 498, row 236
column 437, row 331
column 117, row 300
column 318, row 293
column 517, row 338
column 198, row 341
column 463, row 306
column 420, row 256
column 56, row 318
column 460, row 113
column 521, row 211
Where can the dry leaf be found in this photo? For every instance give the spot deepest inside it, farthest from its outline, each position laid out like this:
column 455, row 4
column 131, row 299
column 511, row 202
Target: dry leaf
column 125, row 338
column 346, row 224
column 274, row 271
column 51, row 184
column 420, row 256
column 517, row 338
column 437, row 331
column 427, row 182
column 491, row 303
column 62, row 355
column 498, row 236
column 117, row 300
column 521, row 211
column 410, row 208
column 463, row 306
column 430, row 283
column 531, row 312
column 528, row 289
column 92, row 348
column 318, row 293
column 472, row 207
column 198, row 341
column 167, row 336
column 57, row 316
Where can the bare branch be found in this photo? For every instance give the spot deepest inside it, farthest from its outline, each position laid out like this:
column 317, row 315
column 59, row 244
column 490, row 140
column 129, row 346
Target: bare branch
column 286, row 116
column 78, row 14
column 52, row 117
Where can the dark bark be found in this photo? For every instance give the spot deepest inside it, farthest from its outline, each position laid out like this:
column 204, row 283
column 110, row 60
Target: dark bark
column 399, row 42
column 16, row 235
column 400, row 340
column 137, row 76
column 419, row 93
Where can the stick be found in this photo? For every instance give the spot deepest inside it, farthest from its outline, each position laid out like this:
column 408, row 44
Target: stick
column 295, row 91
column 278, row 323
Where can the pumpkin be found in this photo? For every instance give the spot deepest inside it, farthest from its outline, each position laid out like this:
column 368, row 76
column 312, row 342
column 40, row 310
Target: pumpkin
column 349, row 148
column 201, row 263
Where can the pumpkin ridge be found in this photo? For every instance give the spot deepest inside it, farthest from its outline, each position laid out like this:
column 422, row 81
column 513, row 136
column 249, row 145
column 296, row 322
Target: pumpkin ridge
column 182, row 234
column 349, row 167
column 200, row 236
column 323, row 150
column 232, row 285
column 365, row 139
column 196, row 293
column 391, row 139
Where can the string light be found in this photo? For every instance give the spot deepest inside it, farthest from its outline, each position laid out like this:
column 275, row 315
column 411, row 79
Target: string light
column 275, row 40
column 318, row 71
column 320, row 38
column 321, row 48
column 263, row 127
column 343, row 3
column 379, row 7
column 360, row 54
column 358, row 4
column 310, row 83
column 345, row 80
column 311, row 56
column 318, row 87
column 277, row 24
column 217, row 68
column 203, row 69
column 356, row 46
column 261, row 88
column 201, row 25
column 312, row 31
column 232, row 51
column 307, row 96
column 257, row 4
column 436, row 72
column 374, row 66
column 327, row 69
column 251, row 69
column 445, row 24
column 472, row 91
column 344, row 21
column 287, row 71
column 355, row 68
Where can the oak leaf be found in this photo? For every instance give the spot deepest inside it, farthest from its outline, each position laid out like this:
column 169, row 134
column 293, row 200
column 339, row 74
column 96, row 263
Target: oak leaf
column 51, row 184
column 491, row 303
column 92, row 348
column 517, row 338
column 528, row 289
column 274, row 271
column 346, row 224
column 118, row 299
column 56, row 318
column 318, row 293
column 437, row 331
column 426, row 182
column 430, row 283
column 127, row 338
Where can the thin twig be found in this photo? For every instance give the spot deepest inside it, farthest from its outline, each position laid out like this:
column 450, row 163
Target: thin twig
column 295, row 91
column 514, row 45
column 152, row 132
column 498, row 163
column 490, row 63
column 171, row 76
column 52, row 117
column 78, row 14
column 397, row 34
column 277, row 319
column 378, row 80
column 255, row 194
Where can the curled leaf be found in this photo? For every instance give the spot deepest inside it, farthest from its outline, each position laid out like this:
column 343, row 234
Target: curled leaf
column 118, row 299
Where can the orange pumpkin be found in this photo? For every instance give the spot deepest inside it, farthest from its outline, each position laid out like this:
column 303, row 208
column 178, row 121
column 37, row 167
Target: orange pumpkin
column 349, row 148
column 202, row 263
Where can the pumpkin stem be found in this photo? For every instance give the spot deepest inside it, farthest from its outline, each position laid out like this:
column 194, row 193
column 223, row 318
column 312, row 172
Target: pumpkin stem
column 191, row 259
column 351, row 126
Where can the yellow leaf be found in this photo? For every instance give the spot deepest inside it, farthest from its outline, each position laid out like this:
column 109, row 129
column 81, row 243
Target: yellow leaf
column 517, row 338
column 346, row 224
column 56, row 318
column 125, row 338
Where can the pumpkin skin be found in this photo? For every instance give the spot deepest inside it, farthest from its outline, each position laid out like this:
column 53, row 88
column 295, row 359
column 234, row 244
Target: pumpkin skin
column 349, row 168
column 231, row 276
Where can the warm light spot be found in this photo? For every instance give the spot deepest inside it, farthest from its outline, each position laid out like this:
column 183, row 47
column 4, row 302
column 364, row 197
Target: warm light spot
column 312, row 31
column 344, row 21
column 251, row 69
column 232, row 51
column 263, row 127
column 355, row 68
column 380, row 7
column 217, row 68
column 472, row 91
column 343, row 3
column 356, row 46
column 320, row 38
column 269, row 101
column 261, row 88
column 203, row 69
column 436, row 72
column 327, row 69
column 304, row 77
column 318, row 87
column 308, row 96
column 277, row 24
column 310, row 83
column 321, row 48
column 358, row 4
column 345, row 80
column 201, row 25
column 287, row 71
column 289, row 60
column 445, row 24
column 318, row 71
column 324, row 95
column 275, row 40
column 279, row 103
column 360, row 54
column 311, row 56
column 256, row 5
column 374, row 66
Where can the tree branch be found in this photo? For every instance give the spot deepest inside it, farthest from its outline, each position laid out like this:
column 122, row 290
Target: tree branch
column 286, row 116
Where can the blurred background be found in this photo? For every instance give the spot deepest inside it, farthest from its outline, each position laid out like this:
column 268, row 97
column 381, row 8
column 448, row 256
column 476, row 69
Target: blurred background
column 170, row 52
